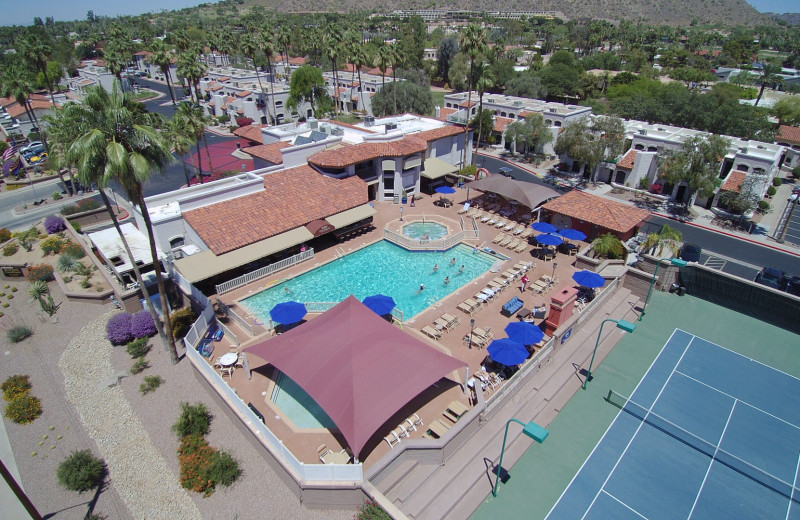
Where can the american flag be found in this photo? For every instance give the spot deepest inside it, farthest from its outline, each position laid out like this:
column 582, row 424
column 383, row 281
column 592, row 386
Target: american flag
column 11, row 152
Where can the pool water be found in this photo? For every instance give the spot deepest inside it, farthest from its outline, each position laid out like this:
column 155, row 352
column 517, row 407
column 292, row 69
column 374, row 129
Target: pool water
column 298, row 405
column 381, row 268
column 426, row 230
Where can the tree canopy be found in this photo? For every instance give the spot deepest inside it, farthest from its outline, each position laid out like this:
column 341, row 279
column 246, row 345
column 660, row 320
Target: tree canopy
column 410, row 98
column 591, row 140
column 696, row 163
column 530, row 135
column 308, row 85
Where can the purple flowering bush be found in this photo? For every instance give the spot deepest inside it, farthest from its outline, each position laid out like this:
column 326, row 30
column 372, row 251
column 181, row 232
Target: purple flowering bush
column 118, row 329
column 54, row 224
column 142, row 325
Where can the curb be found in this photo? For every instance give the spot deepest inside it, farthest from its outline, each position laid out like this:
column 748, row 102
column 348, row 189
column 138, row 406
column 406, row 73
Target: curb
column 715, row 230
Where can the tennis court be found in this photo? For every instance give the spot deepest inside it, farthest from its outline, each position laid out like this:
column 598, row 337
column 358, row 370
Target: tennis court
column 707, row 433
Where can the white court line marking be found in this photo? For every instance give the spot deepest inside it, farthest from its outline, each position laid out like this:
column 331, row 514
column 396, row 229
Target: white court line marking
column 794, row 485
column 687, row 376
column 615, row 420
column 637, row 513
column 638, row 428
column 711, row 461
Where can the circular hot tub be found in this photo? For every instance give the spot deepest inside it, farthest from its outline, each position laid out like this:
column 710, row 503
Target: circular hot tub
column 425, row 230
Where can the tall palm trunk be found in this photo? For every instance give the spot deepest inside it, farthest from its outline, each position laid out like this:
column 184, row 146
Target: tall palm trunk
column 272, row 92
column 185, row 169
column 173, row 351
column 394, row 86
column 480, row 128
column 136, row 271
column 469, row 108
column 361, row 89
column 335, row 90
column 261, row 87
column 208, row 154
column 169, row 86
column 199, row 162
column 47, row 82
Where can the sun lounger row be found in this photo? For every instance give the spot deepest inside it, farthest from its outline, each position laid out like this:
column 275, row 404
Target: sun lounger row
column 478, row 337
column 403, row 430
column 470, row 306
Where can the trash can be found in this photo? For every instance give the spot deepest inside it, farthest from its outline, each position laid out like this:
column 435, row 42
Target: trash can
column 397, row 199
column 681, row 290
column 674, row 288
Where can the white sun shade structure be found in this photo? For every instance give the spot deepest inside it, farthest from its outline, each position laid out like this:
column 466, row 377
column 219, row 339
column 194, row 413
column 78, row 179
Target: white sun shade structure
column 109, row 244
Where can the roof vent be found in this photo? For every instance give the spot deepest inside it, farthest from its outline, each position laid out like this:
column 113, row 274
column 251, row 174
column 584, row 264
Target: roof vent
column 391, row 126
column 643, row 131
column 369, row 121
column 337, row 131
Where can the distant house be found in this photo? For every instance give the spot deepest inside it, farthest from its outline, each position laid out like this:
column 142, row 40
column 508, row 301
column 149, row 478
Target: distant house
column 15, row 118
column 594, row 215
column 789, row 137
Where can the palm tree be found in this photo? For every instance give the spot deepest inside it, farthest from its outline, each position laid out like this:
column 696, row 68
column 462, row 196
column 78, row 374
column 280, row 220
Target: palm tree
column 249, row 47
column 162, row 57
column 333, row 50
column 116, row 141
column 358, row 58
column 608, row 246
column 472, row 41
column 194, row 121
column 383, row 61
column 181, row 140
column 395, row 59
column 284, row 39
column 192, row 68
column 37, row 53
column 666, row 238
column 115, row 61
column 770, row 75
column 266, row 42
column 484, row 83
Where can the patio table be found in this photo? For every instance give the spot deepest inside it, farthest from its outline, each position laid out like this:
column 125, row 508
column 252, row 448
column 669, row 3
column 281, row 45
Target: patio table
column 228, row 359
column 458, row 408
column 341, row 457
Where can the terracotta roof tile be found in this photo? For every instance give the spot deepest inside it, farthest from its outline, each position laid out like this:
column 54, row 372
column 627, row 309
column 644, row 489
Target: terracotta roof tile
column 444, row 112
column 627, row 160
column 500, row 123
column 357, row 153
column 244, row 93
column 250, row 132
column 600, row 211
column 16, row 110
column 789, row 133
column 526, row 113
column 291, row 198
column 230, row 99
column 355, row 84
column 438, row 133
column 212, row 104
column 223, row 79
column 216, row 88
column 734, row 181
column 224, row 107
column 269, row 152
column 464, row 104
column 348, row 125
column 349, row 67
column 298, row 60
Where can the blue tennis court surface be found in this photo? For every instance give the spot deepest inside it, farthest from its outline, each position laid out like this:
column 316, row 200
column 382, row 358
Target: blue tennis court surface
column 708, row 433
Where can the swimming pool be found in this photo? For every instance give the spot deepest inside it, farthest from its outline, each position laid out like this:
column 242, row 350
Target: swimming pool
column 298, row 405
column 426, row 230
column 381, row 268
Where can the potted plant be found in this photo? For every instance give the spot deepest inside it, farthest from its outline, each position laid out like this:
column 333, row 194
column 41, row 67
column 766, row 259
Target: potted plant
column 404, row 196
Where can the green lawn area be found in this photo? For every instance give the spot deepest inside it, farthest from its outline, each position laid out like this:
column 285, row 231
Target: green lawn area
column 438, row 99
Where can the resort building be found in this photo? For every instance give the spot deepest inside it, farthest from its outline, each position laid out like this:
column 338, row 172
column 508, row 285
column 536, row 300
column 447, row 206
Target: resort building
column 91, row 73
column 14, row 118
column 352, row 94
column 239, row 93
column 789, row 137
column 143, row 64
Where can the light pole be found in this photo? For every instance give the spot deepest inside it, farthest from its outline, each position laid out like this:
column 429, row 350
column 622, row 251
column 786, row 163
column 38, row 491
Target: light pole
column 532, row 430
column 553, row 276
column 674, row 261
column 471, row 328
column 401, row 214
column 621, row 324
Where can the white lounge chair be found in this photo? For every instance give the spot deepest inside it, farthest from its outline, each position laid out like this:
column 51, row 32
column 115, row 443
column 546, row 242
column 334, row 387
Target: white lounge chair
column 392, row 439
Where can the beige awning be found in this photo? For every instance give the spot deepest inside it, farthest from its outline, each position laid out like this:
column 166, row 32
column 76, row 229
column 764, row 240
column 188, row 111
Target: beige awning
column 204, row 265
column 435, row 168
column 350, row 216
column 411, row 162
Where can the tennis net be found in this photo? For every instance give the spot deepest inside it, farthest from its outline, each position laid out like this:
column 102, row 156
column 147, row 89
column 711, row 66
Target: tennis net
column 701, row 445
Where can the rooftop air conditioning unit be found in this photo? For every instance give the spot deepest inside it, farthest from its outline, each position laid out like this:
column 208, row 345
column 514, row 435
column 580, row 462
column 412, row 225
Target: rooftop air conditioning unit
column 369, row 121
column 553, row 110
column 313, row 123
column 391, row 126
column 517, row 103
column 337, row 131
column 325, row 129
column 643, row 131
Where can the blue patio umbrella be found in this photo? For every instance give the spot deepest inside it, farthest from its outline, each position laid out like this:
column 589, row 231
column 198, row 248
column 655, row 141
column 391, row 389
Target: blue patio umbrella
column 550, row 240
column 544, row 227
column 445, row 189
column 508, row 352
column 572, row 234
column 380, row 304
column 588, row 279
column 525, row 333
column 287, row 313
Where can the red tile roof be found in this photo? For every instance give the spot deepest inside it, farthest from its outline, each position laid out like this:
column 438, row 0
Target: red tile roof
column 600, row 211
column 17, row 110
column 357, row 153
column 355, row 84
column 500, row 123
column 230, row 99
column 349, row 67
column 734, row 181
column 244, row 93
column 789, row 133
column 438, row 133
column 216, row 87
column 526, row 113
column 269, row 152
column 250, row 132
column 465, row 105
column 292, row 198
column 348, row 125
column 212, row 104
column 444, row 112
column 223, row 79
column 627, row 160
column 298, row 60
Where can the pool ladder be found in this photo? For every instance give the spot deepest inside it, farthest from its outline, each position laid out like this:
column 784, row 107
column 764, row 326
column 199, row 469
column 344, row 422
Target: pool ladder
column 433, row 301
column 340, row 253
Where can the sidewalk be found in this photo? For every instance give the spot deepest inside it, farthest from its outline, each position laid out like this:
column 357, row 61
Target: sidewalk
column 704, row 219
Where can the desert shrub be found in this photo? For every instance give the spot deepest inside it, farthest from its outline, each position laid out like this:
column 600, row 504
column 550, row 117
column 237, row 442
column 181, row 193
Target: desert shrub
column 764, row 206
column 15, row 386
column 118, row 329
column 243, row 121
column 777, row 181
column 771, row 191
column 139, row 366
column 83, row 270
column 150, row 384
column 10, row 248
column 42, row 272
column 203, row 467
column 5, row 235
column 54, row 224
column 17, row 333
column 138, row 348
column 224, row 469
column 142, row 325
column 369, row 510
column 67, row 263
column 76, row 225
column 74, row 250
column 56, row 195
column 81, row 471
column 26, row 238
column 85, row 283
column 181, row 321
column 51, row 245
column 81, row 206
column 24, row 409
column 195, row 419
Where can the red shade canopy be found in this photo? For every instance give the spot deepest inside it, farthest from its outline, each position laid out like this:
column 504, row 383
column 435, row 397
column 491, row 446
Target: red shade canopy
column 358, row 367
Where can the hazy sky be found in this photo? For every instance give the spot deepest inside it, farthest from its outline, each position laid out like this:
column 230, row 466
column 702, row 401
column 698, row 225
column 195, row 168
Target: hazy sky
column 16, row 12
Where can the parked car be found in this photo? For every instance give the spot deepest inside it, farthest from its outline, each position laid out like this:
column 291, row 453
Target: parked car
column 31, row 146
column 772, row 277
column 33, row 152
column 691, row 252
column 140, row 74
column 793, row 285
column 42, row 157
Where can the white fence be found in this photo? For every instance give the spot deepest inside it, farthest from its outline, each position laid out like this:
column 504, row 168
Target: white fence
column 199, row 327
column 264, row 271
column 305, row 472
column 430, row 245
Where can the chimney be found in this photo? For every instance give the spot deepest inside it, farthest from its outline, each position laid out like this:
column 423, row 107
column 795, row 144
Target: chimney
column 438, row 112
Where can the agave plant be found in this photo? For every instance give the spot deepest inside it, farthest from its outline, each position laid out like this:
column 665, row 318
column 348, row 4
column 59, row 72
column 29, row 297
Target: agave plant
column 67, row 263
column 608, row 246
column 38, row 289
column 666, row 238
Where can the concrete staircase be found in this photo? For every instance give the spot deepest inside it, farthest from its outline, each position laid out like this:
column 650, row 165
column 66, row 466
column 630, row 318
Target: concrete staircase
column 457, row 488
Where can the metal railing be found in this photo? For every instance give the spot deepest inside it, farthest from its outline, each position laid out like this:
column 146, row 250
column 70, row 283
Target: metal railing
column 224, row 309
column 528, row 370
column 245, row 279
column 430, row 245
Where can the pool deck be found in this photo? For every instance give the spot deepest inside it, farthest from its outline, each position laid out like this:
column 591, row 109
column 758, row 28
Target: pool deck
column 430, row 404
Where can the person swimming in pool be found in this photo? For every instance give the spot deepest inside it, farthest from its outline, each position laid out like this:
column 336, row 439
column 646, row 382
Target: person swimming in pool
column 462, row 269
column 453, row 261
column 421, row 288
column 447, row 280
column 435, row 268
column 287, row 290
